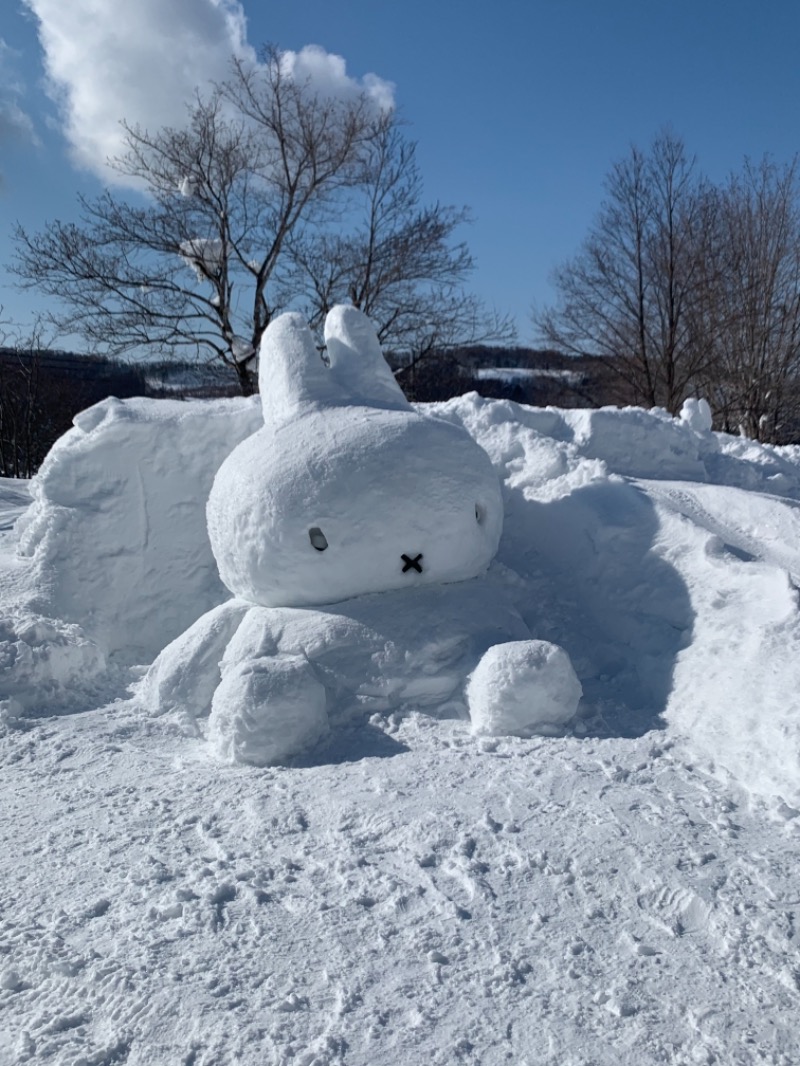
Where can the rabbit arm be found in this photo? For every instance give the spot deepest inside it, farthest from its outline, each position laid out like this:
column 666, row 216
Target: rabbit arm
column 186, row 673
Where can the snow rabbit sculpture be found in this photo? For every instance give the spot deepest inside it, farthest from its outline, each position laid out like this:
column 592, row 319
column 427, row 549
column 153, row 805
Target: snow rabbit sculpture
column 348, row 529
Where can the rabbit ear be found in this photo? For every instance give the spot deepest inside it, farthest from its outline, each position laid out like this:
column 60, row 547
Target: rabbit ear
column 357, row 362
column 291, row 373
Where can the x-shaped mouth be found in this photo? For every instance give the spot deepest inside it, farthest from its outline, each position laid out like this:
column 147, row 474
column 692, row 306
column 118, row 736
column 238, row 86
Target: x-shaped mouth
column 412, row 564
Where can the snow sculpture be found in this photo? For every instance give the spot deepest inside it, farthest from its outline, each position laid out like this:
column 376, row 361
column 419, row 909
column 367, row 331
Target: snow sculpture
column 353, row 532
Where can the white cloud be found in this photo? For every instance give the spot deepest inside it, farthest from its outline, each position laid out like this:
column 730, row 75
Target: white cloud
column 142, row 60
column 138, row 60
column 328, row 74
column 15, row 124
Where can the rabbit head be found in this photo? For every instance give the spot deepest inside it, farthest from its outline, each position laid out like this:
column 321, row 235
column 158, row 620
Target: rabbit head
column 347, row 490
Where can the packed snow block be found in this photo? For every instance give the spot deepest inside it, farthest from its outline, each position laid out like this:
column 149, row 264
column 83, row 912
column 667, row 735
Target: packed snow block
column 116, row 532
column 265, row 711
column 347, row 490
column 521, row 688
column 187, row 672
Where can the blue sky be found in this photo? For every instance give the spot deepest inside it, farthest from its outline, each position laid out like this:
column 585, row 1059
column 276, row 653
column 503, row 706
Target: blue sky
column 519, row 107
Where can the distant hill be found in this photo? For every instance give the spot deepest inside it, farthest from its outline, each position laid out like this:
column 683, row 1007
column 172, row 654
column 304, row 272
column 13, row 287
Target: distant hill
column 540, row 377
column 189, row 380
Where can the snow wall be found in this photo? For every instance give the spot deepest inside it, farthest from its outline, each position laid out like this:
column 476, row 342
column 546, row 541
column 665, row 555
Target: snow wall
column 117, row 530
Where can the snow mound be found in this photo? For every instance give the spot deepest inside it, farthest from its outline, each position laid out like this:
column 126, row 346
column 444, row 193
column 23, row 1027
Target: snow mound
column 346, row 491
column 638, row 443
column 521, row 688
column 665, row 559
column 735, row 690
column 661, row 556
column 47, row 664
column 631, row 442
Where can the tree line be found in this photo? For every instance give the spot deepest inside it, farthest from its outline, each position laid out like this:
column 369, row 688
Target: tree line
column 689, row 288
column 42, row 389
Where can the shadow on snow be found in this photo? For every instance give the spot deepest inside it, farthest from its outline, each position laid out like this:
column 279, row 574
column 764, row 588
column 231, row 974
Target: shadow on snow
column 596, row 586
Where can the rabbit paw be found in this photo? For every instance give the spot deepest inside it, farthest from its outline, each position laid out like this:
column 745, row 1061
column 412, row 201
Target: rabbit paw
column 266, row 710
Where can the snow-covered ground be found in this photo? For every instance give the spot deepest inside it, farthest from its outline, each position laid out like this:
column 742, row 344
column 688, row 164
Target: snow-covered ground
column 625, row 893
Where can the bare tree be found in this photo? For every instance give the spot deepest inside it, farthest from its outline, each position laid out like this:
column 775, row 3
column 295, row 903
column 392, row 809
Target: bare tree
column 196, row 265
column 246, row 210
column 401, row 263
column 628, row 296
column 754, row 302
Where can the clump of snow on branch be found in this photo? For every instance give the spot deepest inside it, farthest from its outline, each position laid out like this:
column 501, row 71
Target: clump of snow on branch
column 187, row 187
column 203, row 255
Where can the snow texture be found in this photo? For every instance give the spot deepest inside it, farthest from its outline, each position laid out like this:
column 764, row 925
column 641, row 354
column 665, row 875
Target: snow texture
column 661, row 556
column 45, row 661
column 264, row 711
column 117, row 518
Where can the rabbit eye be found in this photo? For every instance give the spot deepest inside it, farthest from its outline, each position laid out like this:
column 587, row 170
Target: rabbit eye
column 317, row 538
column 480, row 514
